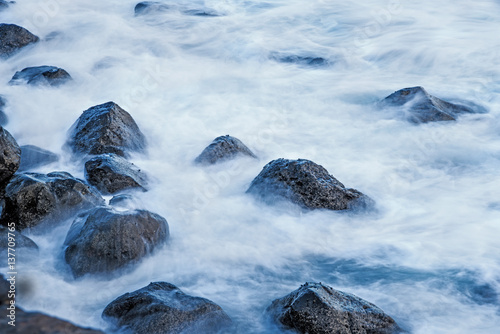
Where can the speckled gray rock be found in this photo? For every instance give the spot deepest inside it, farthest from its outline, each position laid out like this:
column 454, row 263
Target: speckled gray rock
column 106, row 128
column 33, row 198
column 13, row 38
column 3, row 116
column 110, row 174
column 418, row 106
column 41, row 75
column 34, row 157
column 10, row 155
column 307, row 184
column 103, row 240
column 223, row 148
column 162, row 308
column 315, row 308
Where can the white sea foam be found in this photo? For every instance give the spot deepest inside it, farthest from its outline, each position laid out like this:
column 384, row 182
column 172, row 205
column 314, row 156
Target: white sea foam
column 429, row 257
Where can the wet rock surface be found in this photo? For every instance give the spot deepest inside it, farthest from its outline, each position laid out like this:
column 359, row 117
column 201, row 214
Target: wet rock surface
column 418, row 106
column 110, row 174
column 34, row 156
column 24, row 246
column 10, row 156
column 104, row 240
column 106, row 128
column 32, row 198
column 223, row 148
column 155, row 7
column 149, row 7
column 13, row 38
column 307, row 60
column 307, row 184
column 163, row 308
column 3, row 116
column 315, row 308
column 41, row 75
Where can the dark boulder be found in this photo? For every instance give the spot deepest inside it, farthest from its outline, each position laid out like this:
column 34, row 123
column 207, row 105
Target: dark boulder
column 10, row 155
column 149, row 7
column 307, row 184
column 106, row 128
column 110, row 174
column 33, row 198
column 3, row 116
column 315, row 308
column 13, row 38
column 162, row 308
column 223, row 148
column 418, row 106
column 34, row 156
column 104, row 240
column 41, row 75
column 307, row 60
column 23, row 244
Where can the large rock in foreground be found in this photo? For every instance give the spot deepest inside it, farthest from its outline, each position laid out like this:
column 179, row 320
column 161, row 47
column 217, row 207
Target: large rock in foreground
column 33, row 198
column 41, row 75
column 223, row 148
column 315, row 308
column 307, row 184
column 106, row 128
column 13, row 38
column 104, row 240
column 10, row 155
column 162, row 308
column 421, row 107
column 34, row 156
column 110, row 174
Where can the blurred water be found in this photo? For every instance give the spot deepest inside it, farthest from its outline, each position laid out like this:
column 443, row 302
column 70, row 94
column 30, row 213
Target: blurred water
column 429, row 257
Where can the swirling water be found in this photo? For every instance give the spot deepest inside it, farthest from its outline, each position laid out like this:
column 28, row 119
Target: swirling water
column 292, row 79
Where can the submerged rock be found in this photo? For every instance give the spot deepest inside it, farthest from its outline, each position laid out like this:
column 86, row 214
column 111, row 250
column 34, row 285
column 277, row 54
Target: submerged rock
column 10, row 155
column 421, row 107
column 307, row 184
column 13, row 38
column 3, row 117
column 223, row 148
column 23, row 245
column 315, row 308
column 103, row 240
column 110, row 173
column 106, row 128
column 41, row 75
column 34, row 156
column 299, row 59
column 4, row 4
column 148, row 7
column 162, row 308
column 32, row 198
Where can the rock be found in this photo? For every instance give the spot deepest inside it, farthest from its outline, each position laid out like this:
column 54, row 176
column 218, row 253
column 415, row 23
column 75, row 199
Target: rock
column 23, row 244
column 110, row 174
column 33, row 198
column 148, row 7
column 307, row 184
column 34, row 156
column 106, row 128
column 223, row 148
column 163, row 308
column 13, row 38
column 10, row 155
column 104, row 240
column 4, row 4
column 3, row 117
column 41, row 75
column 299, row 59
column 315, row 308
column 122, row 201
column 206, row 12
column 420, row 107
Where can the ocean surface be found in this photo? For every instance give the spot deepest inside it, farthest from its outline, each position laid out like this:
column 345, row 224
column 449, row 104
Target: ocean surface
column 291, row 79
